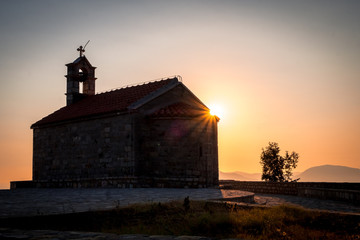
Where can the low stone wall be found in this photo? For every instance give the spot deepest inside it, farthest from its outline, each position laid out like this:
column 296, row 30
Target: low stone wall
column 349, row 192
column 333, row 194
column 261, row 187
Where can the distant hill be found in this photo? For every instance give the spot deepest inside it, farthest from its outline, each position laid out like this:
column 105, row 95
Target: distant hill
column 330, row 173
column 240, row 176
column 324, row 173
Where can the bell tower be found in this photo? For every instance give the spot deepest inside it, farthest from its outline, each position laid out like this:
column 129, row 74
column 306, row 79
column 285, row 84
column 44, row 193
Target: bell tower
column 80, row 75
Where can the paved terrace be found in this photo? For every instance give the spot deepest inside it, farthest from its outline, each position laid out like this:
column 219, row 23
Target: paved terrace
column 30, row 202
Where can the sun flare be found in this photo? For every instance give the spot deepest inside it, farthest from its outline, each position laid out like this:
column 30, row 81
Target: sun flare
column 216, row 110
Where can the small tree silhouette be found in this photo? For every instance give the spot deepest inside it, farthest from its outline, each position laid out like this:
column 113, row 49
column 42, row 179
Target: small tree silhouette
column 275, row 167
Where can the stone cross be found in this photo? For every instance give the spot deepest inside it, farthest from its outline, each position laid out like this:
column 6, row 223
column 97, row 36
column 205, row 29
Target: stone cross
column 81, row 50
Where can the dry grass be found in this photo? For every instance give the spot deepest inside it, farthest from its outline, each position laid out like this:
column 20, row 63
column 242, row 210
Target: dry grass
column 210, row 219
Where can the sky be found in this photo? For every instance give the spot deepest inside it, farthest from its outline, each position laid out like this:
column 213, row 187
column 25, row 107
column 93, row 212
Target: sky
column 282, row 71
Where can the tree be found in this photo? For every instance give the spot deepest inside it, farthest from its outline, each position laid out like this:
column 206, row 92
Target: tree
column 275, row 167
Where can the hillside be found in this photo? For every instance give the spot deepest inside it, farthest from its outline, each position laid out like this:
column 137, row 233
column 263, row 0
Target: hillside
column 330, row 173
column 240, row 176
column 324, row 173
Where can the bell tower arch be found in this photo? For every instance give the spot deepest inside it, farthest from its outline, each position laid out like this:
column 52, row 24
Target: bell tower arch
column 80, row 73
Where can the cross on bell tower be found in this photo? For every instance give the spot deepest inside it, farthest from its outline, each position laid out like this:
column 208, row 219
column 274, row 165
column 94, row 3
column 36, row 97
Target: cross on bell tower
column 81, row 50
column 79, row 72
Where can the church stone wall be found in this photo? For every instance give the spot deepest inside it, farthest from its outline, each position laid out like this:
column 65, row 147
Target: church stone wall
column 98, row 148
column 179, row 152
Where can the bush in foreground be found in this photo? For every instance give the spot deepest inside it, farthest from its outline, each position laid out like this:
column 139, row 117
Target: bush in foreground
column 219, row 220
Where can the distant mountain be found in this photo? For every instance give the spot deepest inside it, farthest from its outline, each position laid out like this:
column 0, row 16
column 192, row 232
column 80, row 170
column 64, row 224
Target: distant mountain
column 325, row 173
column 239, row 176
column 329, row 173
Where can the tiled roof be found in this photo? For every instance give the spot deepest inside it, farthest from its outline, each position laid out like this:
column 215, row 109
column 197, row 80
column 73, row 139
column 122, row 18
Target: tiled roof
column 180, row 110
column 114, row 101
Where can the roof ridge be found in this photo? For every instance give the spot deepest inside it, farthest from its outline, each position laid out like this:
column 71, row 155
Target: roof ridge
column 178, row 77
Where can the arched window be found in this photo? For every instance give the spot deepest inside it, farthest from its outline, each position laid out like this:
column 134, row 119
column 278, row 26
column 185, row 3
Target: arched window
column 82, row 78
column 81, row 84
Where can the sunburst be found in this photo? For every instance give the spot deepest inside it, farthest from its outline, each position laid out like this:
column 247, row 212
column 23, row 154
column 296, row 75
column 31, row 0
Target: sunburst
column 217, row 110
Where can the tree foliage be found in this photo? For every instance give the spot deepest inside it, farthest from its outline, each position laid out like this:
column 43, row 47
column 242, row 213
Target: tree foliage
column 277, row 168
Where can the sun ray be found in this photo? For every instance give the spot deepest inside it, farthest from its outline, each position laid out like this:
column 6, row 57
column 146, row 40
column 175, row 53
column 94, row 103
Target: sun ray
column 217, row 110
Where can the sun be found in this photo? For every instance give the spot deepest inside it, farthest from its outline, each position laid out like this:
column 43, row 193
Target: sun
column 216, row 110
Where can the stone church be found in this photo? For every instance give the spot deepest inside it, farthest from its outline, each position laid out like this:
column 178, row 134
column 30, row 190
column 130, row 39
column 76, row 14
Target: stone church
column 155, row 134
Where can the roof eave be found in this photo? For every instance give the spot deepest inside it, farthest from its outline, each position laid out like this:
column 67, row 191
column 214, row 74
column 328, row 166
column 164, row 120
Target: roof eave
column 83, row 58
column 82, row 118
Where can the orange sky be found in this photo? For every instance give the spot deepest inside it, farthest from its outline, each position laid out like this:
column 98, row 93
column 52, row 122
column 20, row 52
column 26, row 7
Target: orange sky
column 283, row 71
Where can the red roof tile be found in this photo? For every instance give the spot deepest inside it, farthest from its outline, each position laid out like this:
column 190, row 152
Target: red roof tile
column 180, row 110
column 114, row 101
